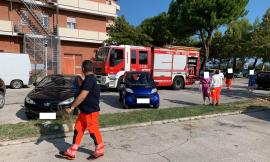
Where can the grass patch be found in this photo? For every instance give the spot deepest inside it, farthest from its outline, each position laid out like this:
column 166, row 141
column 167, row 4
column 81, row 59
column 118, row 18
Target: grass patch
column 42, row 128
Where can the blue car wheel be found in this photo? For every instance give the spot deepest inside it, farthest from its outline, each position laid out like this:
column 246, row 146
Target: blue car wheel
column 156, row 106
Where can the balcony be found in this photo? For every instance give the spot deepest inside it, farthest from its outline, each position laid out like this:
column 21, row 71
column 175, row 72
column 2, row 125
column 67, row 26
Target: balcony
column 109, row 23
column 6, row 28
column 87, row 6
column 81, row 35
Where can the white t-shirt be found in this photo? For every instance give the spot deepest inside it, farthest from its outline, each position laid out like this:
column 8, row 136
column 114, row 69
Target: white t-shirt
column 222, row 77
column 216, row 81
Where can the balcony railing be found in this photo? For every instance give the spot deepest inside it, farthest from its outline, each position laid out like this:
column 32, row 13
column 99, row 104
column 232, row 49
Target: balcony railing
column 89, row 6
column 6, row 26
column 82, row 34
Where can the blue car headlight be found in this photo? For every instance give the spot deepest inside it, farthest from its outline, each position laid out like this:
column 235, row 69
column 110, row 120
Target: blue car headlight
column 154, row 90
column 66, row 102
column 129, row 90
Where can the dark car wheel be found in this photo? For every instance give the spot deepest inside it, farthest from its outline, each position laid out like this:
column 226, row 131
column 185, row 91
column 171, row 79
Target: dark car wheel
column 156, row 106
column 178, row 83
column 2, row 100
column 30, row 117
column 16, row 84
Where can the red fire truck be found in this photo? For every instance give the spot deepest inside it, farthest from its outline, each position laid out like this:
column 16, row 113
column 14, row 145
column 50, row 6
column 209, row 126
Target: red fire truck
column 174, row 66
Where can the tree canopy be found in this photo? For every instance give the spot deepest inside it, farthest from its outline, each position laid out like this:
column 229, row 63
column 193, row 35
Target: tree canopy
column 204, row 17
column 158, row 29
column 124, row 33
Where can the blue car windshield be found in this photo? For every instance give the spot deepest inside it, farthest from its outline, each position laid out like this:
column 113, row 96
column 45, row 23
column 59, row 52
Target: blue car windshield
column 140, row 79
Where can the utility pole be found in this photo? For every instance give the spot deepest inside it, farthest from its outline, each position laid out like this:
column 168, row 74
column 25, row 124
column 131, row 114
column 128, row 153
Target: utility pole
column 46, row 57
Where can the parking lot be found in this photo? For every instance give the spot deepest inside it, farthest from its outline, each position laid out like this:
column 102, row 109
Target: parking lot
column 13, row 111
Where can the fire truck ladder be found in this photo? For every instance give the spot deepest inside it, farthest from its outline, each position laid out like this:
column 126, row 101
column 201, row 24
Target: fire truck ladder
column 41, row 44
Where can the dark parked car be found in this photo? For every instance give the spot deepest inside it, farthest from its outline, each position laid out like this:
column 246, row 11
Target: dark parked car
column 263, row 79
column 238, row 75
column 51, row 94
column 2, row 93
column 138, row 88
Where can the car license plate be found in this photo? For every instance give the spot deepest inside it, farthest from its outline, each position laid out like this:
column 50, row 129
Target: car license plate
column 143, row 100
column 47, row 116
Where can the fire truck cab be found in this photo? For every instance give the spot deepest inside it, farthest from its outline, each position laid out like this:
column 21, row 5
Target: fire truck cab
column 173, row 66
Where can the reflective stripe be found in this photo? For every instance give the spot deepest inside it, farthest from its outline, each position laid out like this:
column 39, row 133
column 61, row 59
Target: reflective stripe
column 100, row 149
column 75, row 147
column 100, row 146
column 71, row 153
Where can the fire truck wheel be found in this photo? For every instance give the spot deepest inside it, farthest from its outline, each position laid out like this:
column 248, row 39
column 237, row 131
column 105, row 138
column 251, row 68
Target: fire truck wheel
column 178, row 83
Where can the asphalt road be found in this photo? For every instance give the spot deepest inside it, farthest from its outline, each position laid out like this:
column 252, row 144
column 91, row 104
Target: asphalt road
column 236, row 138
column 13, row 111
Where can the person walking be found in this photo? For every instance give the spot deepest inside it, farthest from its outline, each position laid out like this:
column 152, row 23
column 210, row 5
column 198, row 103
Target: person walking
column 216, row 83
column 88, row 103
column 205, row 83
column 229, row 80
column 251, row 81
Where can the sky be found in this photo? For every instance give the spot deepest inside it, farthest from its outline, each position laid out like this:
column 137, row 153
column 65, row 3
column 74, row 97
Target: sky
column 136, row 11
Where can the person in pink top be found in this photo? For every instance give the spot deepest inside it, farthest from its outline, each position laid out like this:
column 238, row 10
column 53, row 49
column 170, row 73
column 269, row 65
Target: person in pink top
column 205, row 82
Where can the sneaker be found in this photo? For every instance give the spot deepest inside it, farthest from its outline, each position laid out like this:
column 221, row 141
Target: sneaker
column 99, row 152
column 66, row 155
column 95, row 156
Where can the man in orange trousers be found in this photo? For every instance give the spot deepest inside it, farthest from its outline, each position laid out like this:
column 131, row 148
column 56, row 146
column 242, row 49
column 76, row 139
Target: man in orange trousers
column 88, row 103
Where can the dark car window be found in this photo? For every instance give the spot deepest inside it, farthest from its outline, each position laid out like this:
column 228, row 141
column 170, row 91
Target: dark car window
column 139, row 79
column 57, row 81
column 263, row 75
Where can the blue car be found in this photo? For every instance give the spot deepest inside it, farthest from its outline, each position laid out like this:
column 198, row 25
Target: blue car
column 138, row 88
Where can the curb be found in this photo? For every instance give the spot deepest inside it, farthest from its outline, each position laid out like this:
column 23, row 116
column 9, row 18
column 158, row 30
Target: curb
column 70, row 134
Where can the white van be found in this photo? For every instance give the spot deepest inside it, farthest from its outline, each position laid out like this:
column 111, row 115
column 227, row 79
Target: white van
column 15, row 69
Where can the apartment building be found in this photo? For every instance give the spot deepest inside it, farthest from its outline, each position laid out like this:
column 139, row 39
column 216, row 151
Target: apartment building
column 57, row 34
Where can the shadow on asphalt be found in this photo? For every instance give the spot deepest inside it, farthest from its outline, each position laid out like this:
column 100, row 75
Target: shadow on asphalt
column 235, row 93
column 20, row 114
column 59, row 142
column 23, row 87
column 262, row 115
column 112, row 100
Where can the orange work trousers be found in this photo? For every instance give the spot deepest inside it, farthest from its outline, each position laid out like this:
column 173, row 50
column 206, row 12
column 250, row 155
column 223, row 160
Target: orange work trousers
column 229, row 83
column 89, row 122
column 215, row 94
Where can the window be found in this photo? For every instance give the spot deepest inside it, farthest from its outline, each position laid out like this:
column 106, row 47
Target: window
column 117, row 56
column 24, row 18
column 45, row 21
column 143, row 57
column 133, row 57
column 71, row 23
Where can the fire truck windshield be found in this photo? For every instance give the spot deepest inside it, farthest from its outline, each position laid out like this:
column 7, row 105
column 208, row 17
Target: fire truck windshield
column 102, row 54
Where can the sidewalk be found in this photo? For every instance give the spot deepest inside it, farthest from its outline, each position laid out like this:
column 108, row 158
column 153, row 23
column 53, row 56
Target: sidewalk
column 229, row 138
